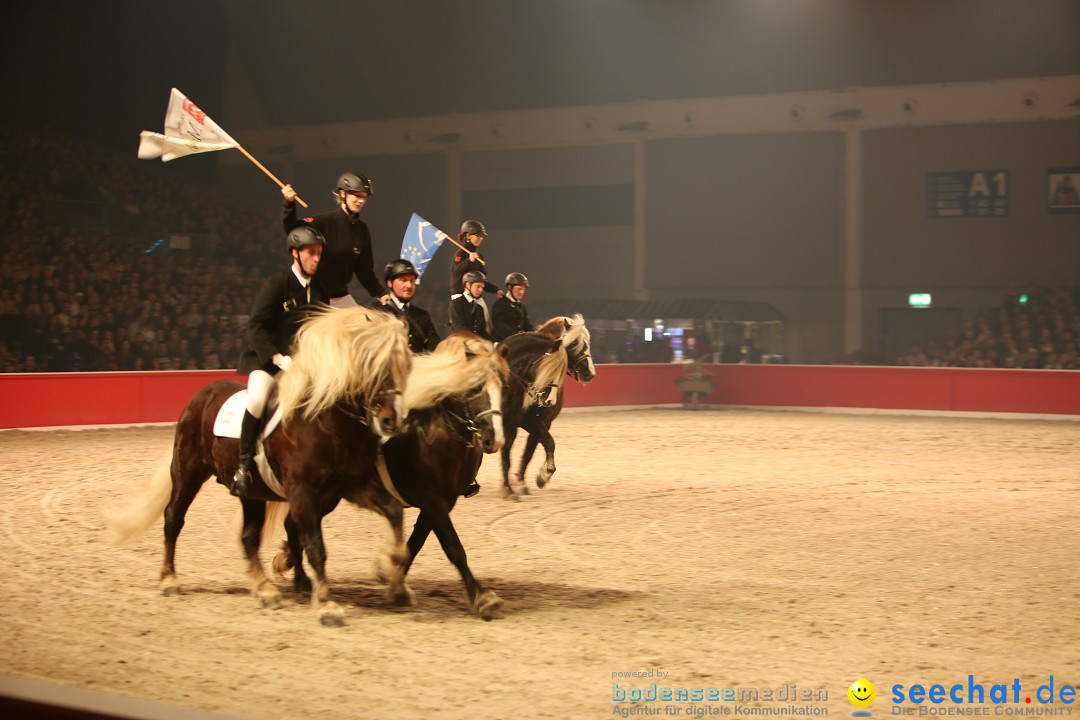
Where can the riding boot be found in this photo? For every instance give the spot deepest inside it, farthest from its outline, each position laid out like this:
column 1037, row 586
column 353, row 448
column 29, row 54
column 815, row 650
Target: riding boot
column 249, row 431
column 471, row 490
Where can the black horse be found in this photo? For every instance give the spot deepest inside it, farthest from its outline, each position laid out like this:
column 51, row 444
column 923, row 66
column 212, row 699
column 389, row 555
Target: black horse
column 539, row 363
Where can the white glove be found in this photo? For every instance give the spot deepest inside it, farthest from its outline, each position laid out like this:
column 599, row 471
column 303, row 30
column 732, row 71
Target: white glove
column 284, row 362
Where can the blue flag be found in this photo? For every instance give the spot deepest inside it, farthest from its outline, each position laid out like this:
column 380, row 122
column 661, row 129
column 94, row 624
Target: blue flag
column 421, row 241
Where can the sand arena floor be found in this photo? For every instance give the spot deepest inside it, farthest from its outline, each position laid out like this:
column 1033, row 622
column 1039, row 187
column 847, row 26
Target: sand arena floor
column 721, row 548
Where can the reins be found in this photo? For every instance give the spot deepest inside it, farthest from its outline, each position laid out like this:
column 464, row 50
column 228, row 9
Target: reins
column 360, row 411
column 535, row 393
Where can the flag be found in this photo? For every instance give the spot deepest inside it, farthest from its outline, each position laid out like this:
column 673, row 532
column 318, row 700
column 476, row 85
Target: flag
column 421, row 241
column 188, row 130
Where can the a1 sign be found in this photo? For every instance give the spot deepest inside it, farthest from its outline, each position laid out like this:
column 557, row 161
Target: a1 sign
column 977, row 193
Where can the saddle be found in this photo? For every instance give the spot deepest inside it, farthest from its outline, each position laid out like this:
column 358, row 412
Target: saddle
column 227, row 425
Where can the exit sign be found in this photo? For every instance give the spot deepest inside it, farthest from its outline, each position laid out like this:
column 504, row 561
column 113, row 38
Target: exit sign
column 919, row 300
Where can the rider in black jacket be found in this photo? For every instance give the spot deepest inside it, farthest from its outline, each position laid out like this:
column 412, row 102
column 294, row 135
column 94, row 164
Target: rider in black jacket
column 508, row 314
column 348, row 240
column 466, row 312
column 280, row 307
column 400, row 276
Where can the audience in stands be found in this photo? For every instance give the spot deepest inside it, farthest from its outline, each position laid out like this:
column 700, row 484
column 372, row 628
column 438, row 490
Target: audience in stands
column 1042, row 332
column 88, row 277
column 93, row 277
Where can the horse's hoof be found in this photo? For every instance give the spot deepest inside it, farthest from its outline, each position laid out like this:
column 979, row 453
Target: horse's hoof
column 487, row 603
column 332, row 615
column 270, row 598
column 170, row 588
column 402, row 597
column 282, row 563
column 302, row 584
column 386, row 566
column 540, row 482
column 524, row 489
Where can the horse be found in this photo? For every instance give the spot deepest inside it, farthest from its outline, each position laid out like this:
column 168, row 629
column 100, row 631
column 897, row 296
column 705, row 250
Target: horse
column 452, row 401
column 341, row 395
column 539, row 362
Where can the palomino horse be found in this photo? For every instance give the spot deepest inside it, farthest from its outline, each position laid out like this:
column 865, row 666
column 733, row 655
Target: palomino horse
column 539, row 362
column 452, row 402
column 338, row 398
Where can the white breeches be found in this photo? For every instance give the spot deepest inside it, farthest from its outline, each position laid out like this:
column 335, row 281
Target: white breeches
column 260, row 385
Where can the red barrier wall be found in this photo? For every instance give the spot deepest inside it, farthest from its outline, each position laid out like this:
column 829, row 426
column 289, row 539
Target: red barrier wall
column 61, row 399
column 1052, row 392
column 48, row 399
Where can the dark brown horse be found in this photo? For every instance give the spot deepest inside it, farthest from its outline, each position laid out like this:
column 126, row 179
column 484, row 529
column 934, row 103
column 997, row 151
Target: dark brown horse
column 340, row 396
column 452, row 402
column 539, row 363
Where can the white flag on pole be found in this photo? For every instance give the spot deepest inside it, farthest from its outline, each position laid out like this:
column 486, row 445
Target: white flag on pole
column 188, row 130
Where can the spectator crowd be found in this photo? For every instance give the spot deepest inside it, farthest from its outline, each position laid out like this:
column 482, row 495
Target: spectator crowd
column 1038, row 330
column 89, row 280
column 93, row 277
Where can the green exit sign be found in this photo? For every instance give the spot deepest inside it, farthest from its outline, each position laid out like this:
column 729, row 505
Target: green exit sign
column 919, row 300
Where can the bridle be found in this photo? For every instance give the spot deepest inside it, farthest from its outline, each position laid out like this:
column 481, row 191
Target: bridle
column 575, row 368
column 360, row 412
column 472, row 420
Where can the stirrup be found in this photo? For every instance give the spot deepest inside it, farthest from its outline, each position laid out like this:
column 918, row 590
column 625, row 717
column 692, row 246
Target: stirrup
column 471, row 490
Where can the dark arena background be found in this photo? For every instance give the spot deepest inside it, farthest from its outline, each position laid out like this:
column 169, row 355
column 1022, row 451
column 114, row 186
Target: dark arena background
column 828, row 252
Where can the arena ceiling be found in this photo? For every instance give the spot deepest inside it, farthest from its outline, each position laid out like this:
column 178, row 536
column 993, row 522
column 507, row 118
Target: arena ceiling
column 325, row 62
column 105, row 69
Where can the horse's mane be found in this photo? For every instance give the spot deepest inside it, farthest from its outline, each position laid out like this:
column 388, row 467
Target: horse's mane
column 343, row 353
column 551, row 370
column 459, row 363
column 554, row 328
column 553, row 366
column 576, row 333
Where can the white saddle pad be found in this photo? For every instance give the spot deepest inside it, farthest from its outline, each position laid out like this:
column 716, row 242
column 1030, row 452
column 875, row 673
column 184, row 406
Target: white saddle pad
column 227, row 424
column 231, row 414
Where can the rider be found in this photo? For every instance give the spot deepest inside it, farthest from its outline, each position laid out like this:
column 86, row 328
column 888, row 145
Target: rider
column 469, row 259
column 400, row 277
column 279, row 308
column 348, row 241
column 466, row 312
column 508, row 314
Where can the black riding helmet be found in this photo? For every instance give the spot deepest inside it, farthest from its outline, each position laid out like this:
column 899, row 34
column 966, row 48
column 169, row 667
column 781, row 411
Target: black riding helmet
column 473, row 227
column 516, row 278
column 304, row 235
column 355, row 182
column 397, row 268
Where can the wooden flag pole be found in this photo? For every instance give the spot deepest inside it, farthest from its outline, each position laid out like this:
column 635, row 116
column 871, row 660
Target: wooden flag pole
column 465, row 249
column 273, row 177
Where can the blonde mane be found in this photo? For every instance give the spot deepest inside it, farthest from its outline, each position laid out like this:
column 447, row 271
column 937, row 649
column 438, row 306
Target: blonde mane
column 459, row 363
column 553, row 366
column 577, row 333
column 343, row 353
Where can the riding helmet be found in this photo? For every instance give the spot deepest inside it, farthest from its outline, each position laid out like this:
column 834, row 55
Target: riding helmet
column 397, row 268
column 473, row 276
column 473, row 227
column 303, row 235
column 355, row 182
column 516, row 278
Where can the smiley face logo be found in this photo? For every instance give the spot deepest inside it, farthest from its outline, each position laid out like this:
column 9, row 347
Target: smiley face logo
column 862, row 693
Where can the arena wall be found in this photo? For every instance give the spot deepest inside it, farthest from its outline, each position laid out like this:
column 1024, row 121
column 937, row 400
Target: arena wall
column 77, row 399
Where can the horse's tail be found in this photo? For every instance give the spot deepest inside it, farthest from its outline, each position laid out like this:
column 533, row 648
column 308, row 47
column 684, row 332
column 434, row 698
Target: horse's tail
column 126, row 524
